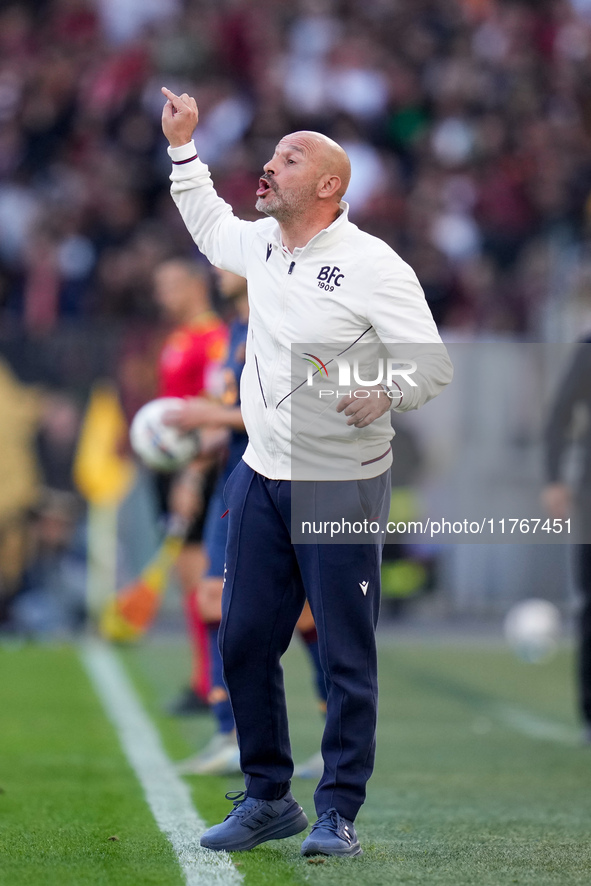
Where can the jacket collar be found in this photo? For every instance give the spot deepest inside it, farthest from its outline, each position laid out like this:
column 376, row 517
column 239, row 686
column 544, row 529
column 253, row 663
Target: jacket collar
column 327, row 236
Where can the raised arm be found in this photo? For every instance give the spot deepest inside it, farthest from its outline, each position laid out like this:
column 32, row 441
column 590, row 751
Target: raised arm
column 220, row 236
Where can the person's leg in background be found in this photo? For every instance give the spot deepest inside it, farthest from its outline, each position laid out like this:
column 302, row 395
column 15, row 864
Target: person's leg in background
column 191, row 565
column 583, row 554
column 221, row 755
column 186, row 497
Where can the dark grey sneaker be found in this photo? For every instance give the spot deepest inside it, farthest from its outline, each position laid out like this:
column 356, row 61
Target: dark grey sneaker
column 332, row 835
column 255, row 821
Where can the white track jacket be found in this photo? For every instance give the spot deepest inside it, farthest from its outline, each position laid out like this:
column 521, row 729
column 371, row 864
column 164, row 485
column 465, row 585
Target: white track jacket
column 344, row 289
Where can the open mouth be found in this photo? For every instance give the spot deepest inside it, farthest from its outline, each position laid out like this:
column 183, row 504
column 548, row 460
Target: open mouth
column 264, row 188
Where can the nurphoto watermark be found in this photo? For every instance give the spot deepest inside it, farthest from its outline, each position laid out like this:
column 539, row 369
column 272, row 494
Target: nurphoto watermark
column 502, row 456
column 352, row 380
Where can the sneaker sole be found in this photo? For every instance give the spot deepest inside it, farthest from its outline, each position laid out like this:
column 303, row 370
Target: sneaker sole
column 287, row 827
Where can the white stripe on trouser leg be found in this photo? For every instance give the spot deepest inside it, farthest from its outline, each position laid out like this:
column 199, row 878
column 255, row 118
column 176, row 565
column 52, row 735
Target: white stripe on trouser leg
column 168, row 797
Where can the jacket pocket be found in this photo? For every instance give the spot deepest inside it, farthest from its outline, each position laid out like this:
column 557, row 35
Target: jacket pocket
column 256, row 363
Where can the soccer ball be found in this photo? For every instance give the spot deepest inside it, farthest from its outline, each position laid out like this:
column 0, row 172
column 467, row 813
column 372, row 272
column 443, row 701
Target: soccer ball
column 160, row 446
column 532, row 629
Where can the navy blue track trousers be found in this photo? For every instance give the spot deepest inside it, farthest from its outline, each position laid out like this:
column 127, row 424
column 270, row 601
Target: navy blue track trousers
column 267, row 579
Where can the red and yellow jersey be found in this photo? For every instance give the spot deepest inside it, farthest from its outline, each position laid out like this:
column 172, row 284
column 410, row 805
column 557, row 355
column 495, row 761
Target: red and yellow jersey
column 191, row 354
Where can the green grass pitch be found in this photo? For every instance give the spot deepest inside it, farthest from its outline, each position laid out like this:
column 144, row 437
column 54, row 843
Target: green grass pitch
column 479, row 781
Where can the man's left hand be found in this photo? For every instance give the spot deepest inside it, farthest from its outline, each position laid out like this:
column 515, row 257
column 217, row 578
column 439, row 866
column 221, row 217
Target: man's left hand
column 365, row 405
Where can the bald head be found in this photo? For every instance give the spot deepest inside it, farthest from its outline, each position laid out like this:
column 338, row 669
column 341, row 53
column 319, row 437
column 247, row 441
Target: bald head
column 303, row 184
column 331, row 159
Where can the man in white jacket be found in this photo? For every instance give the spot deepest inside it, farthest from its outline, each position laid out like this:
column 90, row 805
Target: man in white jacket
column 312, row 276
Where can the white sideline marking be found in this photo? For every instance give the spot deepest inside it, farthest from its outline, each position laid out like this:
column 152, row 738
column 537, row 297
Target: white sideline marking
column 536, row 727
column 168, row 797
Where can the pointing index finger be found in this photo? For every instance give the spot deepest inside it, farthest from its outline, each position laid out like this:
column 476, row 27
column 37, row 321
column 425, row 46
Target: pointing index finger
column 175, row 100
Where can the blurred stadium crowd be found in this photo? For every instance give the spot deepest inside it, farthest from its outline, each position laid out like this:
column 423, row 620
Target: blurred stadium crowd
column 467, row 122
